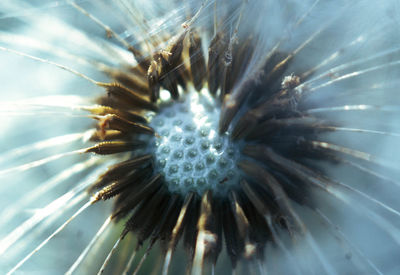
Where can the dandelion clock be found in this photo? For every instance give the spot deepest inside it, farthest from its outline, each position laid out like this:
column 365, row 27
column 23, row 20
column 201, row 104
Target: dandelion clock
column 200, row 137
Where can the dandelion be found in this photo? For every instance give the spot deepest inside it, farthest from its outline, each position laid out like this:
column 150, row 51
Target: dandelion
column 206, row 138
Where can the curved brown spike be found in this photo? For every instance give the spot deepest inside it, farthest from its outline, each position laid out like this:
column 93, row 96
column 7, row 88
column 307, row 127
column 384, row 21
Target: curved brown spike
column 113, row 147
column 181, row 221
column 169, row 82
column 135, row 198
column 135, row 186
column 240, row 218
column 292, row 220
column 113, row 102
column 114, row 122
column 177, row 230
column 125, row 95
column 206, row 218
column 207, row 237
column 215, row 66
column 106, row 110
column 293, row 168
column 108, row 135
column 163, row 69
column 301, row 125
column 136, row 218
column 114, row 188
column 132, row 81
column 173, row 52
column 120, row 169
column 231, row 104
column 217, row 216
column 164, row 210
column 153, row 81
column 142, row 61
column 234, row 244
column 197, row 61
column 261, row 207
column 228, row 111
column 282, row 214
column 279, row 68
column 123, row 183
column 267, row 180
column 170, row 202
column 259, row 232
column 169, row 221
column 271, row 66
column 240, row 58
column 356, row 154
column 243, row 225
column 225, row 78
column 154, row 213
column 245, row 125
column 182, row 75
column 265, row 153
column 315, row 179
column 145, row 217
column 281, row 104
column 191, row 230
column 158, row 224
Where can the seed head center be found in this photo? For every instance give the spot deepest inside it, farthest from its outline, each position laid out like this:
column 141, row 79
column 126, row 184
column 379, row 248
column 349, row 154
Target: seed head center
column 189, row 152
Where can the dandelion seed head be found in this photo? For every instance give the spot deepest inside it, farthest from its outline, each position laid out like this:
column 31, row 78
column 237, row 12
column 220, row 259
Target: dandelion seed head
column 247, row 134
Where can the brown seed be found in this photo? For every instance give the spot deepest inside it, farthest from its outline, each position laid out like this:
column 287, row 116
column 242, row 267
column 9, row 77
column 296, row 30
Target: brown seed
column 134, row 198
column 153, row 80
column 197, row 61
column 115, row 122
column 121, row 169
column 125, row 95
column 218, row 46
column 113, row 147
column 133, row 80
column 122, row 183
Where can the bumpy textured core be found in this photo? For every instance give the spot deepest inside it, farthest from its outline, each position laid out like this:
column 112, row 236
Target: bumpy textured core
column 189, row 152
